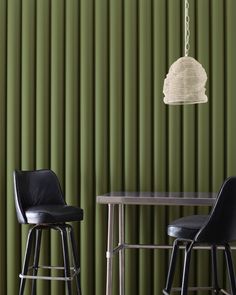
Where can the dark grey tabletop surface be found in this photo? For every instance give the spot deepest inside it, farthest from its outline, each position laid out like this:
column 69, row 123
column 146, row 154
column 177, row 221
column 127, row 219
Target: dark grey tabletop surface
column 159, row 198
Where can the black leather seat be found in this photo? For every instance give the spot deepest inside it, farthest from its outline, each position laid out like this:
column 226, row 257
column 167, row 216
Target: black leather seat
column 40, row 202
column 186, row 227
column 53, row 214
column 216, row 229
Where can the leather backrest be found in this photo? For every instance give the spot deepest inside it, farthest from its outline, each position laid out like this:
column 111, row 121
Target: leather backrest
column 221, row 225
column 32, row 188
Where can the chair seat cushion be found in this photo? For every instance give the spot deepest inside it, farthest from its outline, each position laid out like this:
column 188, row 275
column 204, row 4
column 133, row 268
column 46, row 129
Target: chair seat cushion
column 186, row 227
column 53, row 214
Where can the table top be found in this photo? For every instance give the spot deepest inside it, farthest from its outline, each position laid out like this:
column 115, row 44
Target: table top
column 159, row 198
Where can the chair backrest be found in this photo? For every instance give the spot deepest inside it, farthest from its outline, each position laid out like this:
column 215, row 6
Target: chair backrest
column 32, row 188
column 221, row 225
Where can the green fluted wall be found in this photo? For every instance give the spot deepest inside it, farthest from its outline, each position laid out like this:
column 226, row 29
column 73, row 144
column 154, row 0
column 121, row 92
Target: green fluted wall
column 81, row 93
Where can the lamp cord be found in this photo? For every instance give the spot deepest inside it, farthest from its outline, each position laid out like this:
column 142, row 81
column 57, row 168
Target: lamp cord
column 187, row 28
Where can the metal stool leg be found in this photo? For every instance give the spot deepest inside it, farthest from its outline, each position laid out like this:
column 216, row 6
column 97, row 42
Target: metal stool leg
column 36, row 258
column 66, row 257
column 75, row 258
column 26, row 260
column 215, row 283
column 188, row 250
column 230, row 268
column 171, row 270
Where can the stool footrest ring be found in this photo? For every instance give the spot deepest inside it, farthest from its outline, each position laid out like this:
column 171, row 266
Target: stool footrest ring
column 52, row 278
column 178, row 289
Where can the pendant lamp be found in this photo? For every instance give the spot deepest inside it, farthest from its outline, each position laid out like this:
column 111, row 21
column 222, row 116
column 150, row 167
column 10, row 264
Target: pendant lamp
column 186, row 80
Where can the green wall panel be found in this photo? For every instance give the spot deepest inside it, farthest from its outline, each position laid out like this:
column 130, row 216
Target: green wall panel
column 218, row 97
column 57, row 117
column 3, row 94
column 101, row 136
column 87, row 190
column 131, row 137
column 42, row 113
column 145, row 140
column 28, row 99
column 189, row 139
column 230, row 88
column 13, row 131
column 81, row 92
column 160, row 135
column 71, row 154
column 230, row 38
column 174, row 121
column 116, row 106
column 203, row 127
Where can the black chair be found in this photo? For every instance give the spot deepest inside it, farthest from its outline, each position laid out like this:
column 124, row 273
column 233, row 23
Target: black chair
column 39, row 201
column 216, row 229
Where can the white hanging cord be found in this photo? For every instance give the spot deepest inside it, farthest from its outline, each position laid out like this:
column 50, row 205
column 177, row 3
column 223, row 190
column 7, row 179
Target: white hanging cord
column 187, row 28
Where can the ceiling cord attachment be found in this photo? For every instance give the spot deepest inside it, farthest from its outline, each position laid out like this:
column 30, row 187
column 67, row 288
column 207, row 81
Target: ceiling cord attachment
column 187, row 28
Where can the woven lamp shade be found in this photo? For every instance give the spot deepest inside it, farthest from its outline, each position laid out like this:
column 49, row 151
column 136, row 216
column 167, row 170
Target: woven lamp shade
column 185, row 83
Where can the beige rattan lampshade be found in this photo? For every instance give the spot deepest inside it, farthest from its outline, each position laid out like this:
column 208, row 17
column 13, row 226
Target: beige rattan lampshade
column 185, row 82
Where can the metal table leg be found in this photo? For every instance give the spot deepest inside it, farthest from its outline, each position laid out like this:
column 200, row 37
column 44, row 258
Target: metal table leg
column 122, row 251
column 109, row 254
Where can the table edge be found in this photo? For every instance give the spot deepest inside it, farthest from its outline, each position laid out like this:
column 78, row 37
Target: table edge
column 166, row 201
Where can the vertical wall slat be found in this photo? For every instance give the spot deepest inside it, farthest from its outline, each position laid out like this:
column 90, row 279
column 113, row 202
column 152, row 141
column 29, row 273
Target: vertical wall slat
column 230, row 90
column 116, row 106
column 189, row 142
column 217, row 103
column 42, row 115
column 28, row 85
column 3, row 94
column 57, row 116
column 174, row 52
column 101, row 137
column 174, row 112
column 87, row 143
column 203, row 119
column 131, row 137
column 57, row 87
column 27, row 101
column 116, row 93
column 217, row 107
column 145, row 140
column 203, row 128
column 189, row 136
column 72, row 104
column 160, row 139
column 43, row 87
column 230, row 86
column 72, row 117
column 13, row 139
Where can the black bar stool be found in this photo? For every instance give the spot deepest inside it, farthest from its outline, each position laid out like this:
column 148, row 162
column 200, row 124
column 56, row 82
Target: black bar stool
column 216, row 229
column 39, row 201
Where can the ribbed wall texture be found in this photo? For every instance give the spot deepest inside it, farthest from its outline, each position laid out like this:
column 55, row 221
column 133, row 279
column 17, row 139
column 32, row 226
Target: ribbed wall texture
column 81, row 93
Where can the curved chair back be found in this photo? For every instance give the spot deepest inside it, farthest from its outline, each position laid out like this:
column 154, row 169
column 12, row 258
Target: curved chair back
column 221, row 225
column 33, row 188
